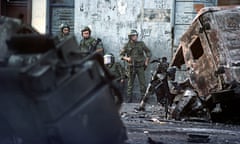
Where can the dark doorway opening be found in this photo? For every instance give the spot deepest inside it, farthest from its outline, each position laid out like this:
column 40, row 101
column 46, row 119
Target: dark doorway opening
column 21, row 9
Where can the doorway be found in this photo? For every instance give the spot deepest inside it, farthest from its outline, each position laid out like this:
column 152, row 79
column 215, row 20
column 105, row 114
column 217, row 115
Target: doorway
column 20, row 9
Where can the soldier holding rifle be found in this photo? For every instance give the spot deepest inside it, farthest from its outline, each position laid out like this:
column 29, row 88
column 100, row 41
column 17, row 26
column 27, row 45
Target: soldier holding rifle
column 88, row 44
column 137, row 55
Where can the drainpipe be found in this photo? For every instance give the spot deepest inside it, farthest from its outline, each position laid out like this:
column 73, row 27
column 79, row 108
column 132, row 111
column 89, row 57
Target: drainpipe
column 142, row 18
column 172, row 27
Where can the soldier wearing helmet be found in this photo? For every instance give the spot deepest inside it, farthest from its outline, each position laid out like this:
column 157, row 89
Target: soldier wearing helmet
column 116, row 69
column 132, row 33
column 137, row 55
column 88, row 44
column 64, row 32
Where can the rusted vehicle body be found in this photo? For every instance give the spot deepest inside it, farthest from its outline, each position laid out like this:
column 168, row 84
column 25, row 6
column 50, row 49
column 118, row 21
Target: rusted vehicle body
column 210, row 50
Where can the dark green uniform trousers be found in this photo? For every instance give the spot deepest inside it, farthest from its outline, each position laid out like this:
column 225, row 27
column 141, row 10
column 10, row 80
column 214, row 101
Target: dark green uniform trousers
column 140, row 73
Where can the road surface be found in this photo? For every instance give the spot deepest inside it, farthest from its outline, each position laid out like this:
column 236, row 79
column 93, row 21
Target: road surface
column 150, row 127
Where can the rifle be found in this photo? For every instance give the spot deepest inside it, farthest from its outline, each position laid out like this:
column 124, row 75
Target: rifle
column 90, row 50
column 94, row 45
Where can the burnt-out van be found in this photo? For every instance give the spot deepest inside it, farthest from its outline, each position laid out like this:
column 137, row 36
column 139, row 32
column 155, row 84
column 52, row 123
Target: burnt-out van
column 210, row 50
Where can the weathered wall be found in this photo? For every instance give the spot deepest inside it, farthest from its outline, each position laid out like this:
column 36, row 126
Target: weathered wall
column 111, row 20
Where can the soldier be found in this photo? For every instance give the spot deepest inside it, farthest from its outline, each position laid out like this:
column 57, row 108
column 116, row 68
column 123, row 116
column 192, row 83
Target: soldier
column 64, row 32
column 137, row 55
column 116, row 69
column 89, row 44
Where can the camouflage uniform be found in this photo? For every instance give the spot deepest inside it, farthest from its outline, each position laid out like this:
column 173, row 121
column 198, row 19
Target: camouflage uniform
column 86, row 45
column 116, row 70
column 62, row 36
column 138, row 52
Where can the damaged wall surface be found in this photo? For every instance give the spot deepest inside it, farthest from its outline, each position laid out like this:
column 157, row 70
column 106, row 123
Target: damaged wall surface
column 112, row 20
column 160, row 23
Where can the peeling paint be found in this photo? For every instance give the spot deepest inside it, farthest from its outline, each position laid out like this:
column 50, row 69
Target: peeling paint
column 122, row 7
column 112, row 20
column 156, row 15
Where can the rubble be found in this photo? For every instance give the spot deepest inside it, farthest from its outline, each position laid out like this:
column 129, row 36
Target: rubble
column 154, row 128
column 198, row 138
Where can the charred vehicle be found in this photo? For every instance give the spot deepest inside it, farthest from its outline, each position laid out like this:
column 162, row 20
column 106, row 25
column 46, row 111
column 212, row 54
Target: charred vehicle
column 210, row 51
column 49, row 96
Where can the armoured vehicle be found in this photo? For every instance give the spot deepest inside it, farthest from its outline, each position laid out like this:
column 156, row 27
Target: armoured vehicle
column 210, row 52
column 51, row 96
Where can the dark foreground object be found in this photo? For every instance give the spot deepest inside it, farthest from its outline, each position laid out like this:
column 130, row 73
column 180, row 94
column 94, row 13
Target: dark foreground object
column 49, row 98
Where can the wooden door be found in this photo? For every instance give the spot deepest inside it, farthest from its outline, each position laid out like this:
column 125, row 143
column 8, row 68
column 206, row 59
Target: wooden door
column 20, row 9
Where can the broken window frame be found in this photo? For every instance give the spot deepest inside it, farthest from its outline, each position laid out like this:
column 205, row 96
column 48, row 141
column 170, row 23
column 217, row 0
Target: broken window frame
column 196, row 49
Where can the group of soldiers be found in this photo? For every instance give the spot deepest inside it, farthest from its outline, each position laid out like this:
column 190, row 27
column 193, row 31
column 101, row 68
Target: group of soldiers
column 135, row 53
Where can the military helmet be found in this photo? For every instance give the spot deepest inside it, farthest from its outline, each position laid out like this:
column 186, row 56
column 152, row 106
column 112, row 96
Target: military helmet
column 109, row 58
column 64, row 25
column 86, row 28
column 133, row 32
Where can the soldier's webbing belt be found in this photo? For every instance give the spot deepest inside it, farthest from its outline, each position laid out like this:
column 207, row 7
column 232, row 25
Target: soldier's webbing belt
column 137, row 64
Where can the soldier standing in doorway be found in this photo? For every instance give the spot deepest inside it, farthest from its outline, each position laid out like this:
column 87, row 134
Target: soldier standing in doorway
column 137, row 55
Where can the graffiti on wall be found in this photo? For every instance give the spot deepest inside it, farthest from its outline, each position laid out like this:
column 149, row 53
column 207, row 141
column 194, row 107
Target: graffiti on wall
column 156, row 15
column 184, row 18
column 146, row 32
column 162, row 4
column 114, row 19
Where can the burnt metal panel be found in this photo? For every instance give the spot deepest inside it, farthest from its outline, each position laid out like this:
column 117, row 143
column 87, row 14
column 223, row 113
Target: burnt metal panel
column 211, row 42
column 211, row 52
